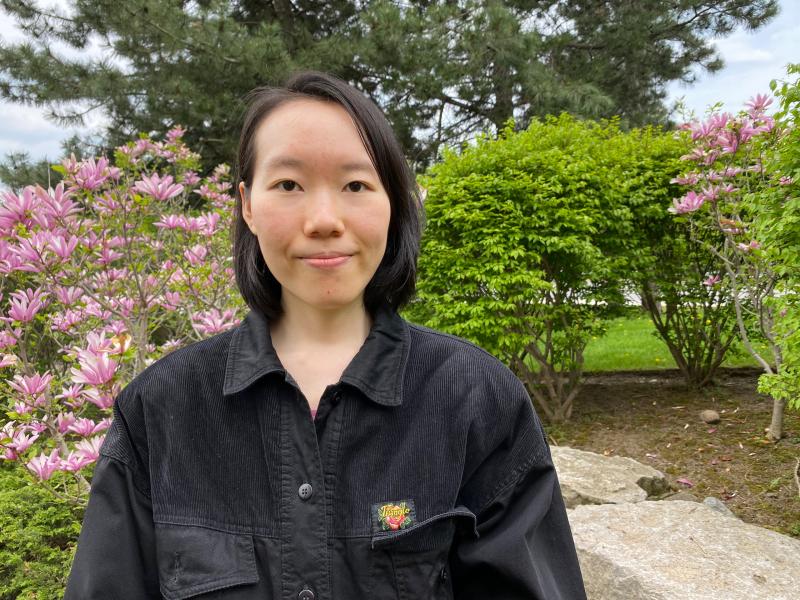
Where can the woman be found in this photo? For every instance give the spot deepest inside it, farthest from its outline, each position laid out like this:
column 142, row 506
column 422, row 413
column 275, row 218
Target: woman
column 325, row 448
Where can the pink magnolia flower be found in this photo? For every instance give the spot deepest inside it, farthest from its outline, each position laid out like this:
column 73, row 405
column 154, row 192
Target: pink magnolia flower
column 753, row 245
column 64, row 421
column 106, row 204
column 142, row 146
column 785, row 180
column 713, row 280
column 95, row 369
column 194, row 224
column 212, row 321
column 35, row 426
column 171, row 345
column 100, row 399
column 8, row 360
column 172, row 300
column 688, row 179
column 72, row 396
column 22, row 441
column 17, row 209
column 190, row 178
column 731, row 171
column 54, row 205
column 196, row 255
column 767, row 125
column 93, row 308
column 67, row 320
column 31, row 252
column 728, row 141
column 31, row 385
column 22, row 408
column 61, row 246
column 44, row 466
column 16, row 438
column 171, row 222
column 702, row 129
column 68, row 295
column 25, row 305
column 90, row 447
column 158, row 188
column 711, row 193
column 9, row 337
column 107, row 255
column 175, row 134
column 690, row 202
column 75, row 461
column 91, row 239
column 85, row 427
column 758, row 104
column 90, row 175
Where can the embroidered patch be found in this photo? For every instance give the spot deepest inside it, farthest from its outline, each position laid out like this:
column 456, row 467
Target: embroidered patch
column 392, row 516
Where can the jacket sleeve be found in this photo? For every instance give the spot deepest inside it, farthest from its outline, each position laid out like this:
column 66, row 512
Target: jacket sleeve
column 116, row 548
column 525, row 549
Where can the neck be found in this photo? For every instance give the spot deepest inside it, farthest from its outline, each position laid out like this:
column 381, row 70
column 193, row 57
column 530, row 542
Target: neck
column 304, row 327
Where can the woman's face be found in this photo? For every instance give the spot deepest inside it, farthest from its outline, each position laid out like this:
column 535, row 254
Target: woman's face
column 316, row 205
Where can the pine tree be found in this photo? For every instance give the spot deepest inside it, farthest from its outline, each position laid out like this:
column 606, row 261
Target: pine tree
column 441, row 69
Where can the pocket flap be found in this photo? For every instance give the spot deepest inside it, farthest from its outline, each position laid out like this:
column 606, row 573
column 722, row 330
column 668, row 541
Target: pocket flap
column 430, row 532
column 195, row 560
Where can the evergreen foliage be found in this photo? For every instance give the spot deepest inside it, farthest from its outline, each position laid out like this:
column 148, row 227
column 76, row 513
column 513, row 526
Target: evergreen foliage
column 442, row 70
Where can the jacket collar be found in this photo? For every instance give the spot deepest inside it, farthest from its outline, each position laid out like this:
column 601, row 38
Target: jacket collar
column 377, row 369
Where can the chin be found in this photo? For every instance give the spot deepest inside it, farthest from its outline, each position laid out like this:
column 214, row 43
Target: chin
column 333, row 301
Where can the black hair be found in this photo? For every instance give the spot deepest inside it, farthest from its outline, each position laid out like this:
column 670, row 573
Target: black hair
column 394, row 281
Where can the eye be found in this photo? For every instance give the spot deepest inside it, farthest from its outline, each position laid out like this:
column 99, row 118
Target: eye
column 287, row 185
column 356, row 186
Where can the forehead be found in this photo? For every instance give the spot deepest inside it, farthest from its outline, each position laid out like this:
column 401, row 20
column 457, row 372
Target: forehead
column 308, row 131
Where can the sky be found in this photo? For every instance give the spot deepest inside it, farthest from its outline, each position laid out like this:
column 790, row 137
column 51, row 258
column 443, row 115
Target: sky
column 752, row 59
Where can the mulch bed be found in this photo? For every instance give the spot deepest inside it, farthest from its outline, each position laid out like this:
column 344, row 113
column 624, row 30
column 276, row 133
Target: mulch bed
column 652, row 417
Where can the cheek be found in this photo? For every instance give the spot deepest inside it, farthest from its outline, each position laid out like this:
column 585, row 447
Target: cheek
column 275, row 231
column 376, row 228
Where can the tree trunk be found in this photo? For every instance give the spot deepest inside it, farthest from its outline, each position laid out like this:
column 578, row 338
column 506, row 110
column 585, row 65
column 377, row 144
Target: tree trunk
column 776, row 426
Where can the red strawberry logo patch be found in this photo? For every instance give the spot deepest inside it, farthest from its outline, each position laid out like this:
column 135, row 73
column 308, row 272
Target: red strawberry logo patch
column 393, row 516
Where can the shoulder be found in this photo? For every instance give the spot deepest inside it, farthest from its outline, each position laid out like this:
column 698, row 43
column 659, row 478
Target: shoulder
column 160, row 390
column 181, row 368
column 445, row 355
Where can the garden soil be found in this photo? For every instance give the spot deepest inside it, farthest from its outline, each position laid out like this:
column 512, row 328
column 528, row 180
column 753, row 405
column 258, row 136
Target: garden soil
column 653, row 417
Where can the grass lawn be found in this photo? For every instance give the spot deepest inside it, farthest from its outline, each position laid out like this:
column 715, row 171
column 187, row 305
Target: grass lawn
column 631, row 343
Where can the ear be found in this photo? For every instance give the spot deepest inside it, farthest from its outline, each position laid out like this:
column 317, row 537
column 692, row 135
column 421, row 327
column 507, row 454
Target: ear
column 247, row 209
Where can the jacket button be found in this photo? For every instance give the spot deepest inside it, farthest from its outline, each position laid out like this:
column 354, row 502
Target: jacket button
column 443, row 574
column 337, row 395
column 305, row 492
column 306, row 594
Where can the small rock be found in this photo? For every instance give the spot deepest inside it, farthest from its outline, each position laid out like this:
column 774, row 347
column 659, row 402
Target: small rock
column 719, row 506
column 710, row 416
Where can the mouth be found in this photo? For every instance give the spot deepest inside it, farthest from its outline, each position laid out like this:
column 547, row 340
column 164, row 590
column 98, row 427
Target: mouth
column 326, row 260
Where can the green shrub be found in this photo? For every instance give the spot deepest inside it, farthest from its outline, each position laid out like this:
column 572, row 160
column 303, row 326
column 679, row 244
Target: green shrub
column 38, row 535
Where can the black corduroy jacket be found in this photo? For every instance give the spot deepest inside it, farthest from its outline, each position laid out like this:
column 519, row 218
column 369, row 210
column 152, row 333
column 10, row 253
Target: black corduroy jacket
column 425, row 475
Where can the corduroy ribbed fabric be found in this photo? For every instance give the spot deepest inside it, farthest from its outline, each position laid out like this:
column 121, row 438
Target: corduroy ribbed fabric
column 425, row 475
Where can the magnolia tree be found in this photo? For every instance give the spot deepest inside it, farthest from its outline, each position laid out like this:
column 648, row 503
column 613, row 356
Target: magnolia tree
column 118, row 265
column 730, row 172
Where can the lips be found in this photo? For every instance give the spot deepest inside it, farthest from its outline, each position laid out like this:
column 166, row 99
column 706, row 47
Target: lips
column 326, row 260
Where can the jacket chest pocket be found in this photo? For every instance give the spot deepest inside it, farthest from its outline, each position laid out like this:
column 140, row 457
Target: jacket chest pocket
column 412, row 564
column 197, row 560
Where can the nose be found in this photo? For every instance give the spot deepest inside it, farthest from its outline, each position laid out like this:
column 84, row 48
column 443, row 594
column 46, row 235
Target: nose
column 323, row 215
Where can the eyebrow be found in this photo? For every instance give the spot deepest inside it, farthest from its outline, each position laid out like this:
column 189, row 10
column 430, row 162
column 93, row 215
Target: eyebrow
column 294, row 163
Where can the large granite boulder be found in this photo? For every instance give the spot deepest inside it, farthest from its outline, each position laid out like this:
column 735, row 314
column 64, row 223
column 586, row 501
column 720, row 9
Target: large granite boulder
column 687, row 550
column 589, row 478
